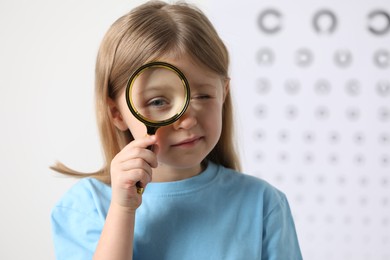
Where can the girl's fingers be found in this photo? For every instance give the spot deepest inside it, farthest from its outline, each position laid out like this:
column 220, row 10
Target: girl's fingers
column 143, row 142
column 131, row 178
column 138, row 153
column 138, row 149
column 137, row 163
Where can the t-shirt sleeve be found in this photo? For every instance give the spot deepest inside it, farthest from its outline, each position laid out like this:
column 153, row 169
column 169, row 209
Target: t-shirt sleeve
column 75, row 233
column 280, row 240
column 78, row 218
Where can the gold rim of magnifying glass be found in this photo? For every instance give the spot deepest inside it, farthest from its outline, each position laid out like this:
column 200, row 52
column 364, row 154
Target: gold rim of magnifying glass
column 130, row 83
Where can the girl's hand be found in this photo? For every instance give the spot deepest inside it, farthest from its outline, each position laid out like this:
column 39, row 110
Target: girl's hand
column 131, row 165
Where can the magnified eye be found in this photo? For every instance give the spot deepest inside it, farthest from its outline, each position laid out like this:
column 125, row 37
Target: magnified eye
column 158, row 102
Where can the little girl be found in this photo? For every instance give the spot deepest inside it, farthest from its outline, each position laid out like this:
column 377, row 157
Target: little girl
column 196, row 204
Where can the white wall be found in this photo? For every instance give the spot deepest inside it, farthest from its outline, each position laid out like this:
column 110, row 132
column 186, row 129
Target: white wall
column 341, row 203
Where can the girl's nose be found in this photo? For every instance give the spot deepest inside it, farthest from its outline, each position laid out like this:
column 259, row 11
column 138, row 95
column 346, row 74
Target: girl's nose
column 187, row 120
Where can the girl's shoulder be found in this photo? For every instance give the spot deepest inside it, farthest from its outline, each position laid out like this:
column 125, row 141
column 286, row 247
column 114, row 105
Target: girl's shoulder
column 252, row 186
column 85, row 196
column 78, row 218
column 245, row 179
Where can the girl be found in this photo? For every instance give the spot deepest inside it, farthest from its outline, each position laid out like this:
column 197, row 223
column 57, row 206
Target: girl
column 196, row 205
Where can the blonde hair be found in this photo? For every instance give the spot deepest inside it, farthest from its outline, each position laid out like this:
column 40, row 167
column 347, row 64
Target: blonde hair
column 150, row 31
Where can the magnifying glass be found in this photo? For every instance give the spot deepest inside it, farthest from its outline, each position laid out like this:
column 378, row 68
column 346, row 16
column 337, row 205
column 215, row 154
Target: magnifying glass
column 157, row 94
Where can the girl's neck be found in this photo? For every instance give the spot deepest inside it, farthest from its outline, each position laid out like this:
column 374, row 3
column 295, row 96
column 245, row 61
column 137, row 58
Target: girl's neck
column 166, row 173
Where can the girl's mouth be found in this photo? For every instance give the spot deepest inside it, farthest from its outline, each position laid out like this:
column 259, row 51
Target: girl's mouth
column 188, row 142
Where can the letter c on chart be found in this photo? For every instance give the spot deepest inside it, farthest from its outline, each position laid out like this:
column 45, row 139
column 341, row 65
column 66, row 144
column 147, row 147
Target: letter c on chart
column 269, row 21
column 374, row 17
column 324, row 21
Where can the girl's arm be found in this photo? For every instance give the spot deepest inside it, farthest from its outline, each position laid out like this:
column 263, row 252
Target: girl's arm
column 133, row 164
column 116, row 240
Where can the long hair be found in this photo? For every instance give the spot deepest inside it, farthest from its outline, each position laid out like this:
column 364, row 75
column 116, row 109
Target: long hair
column 148, row 32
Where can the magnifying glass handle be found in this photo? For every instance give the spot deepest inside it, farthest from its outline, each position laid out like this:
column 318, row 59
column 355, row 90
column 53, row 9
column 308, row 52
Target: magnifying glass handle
column 150, row 131
column 140, row 190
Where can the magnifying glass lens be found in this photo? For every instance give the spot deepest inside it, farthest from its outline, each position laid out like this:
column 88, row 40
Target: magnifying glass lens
column 158, row 94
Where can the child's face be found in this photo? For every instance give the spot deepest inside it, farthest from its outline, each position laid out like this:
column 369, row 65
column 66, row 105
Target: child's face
column 186, row 142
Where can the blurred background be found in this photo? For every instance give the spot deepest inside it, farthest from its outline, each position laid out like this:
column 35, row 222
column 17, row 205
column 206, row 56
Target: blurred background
column 311, row 88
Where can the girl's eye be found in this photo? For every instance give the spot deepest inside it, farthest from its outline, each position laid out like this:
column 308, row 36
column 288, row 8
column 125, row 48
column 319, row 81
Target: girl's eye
column 157, row 102
column 202, row 96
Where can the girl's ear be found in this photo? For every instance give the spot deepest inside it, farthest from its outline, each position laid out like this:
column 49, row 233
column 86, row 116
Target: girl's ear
column 116, row 116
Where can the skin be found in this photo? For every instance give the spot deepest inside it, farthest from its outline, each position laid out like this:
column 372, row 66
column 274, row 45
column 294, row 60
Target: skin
column 178, row 150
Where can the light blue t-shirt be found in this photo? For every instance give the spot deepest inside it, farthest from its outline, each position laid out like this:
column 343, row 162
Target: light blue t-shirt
column 219, row 214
